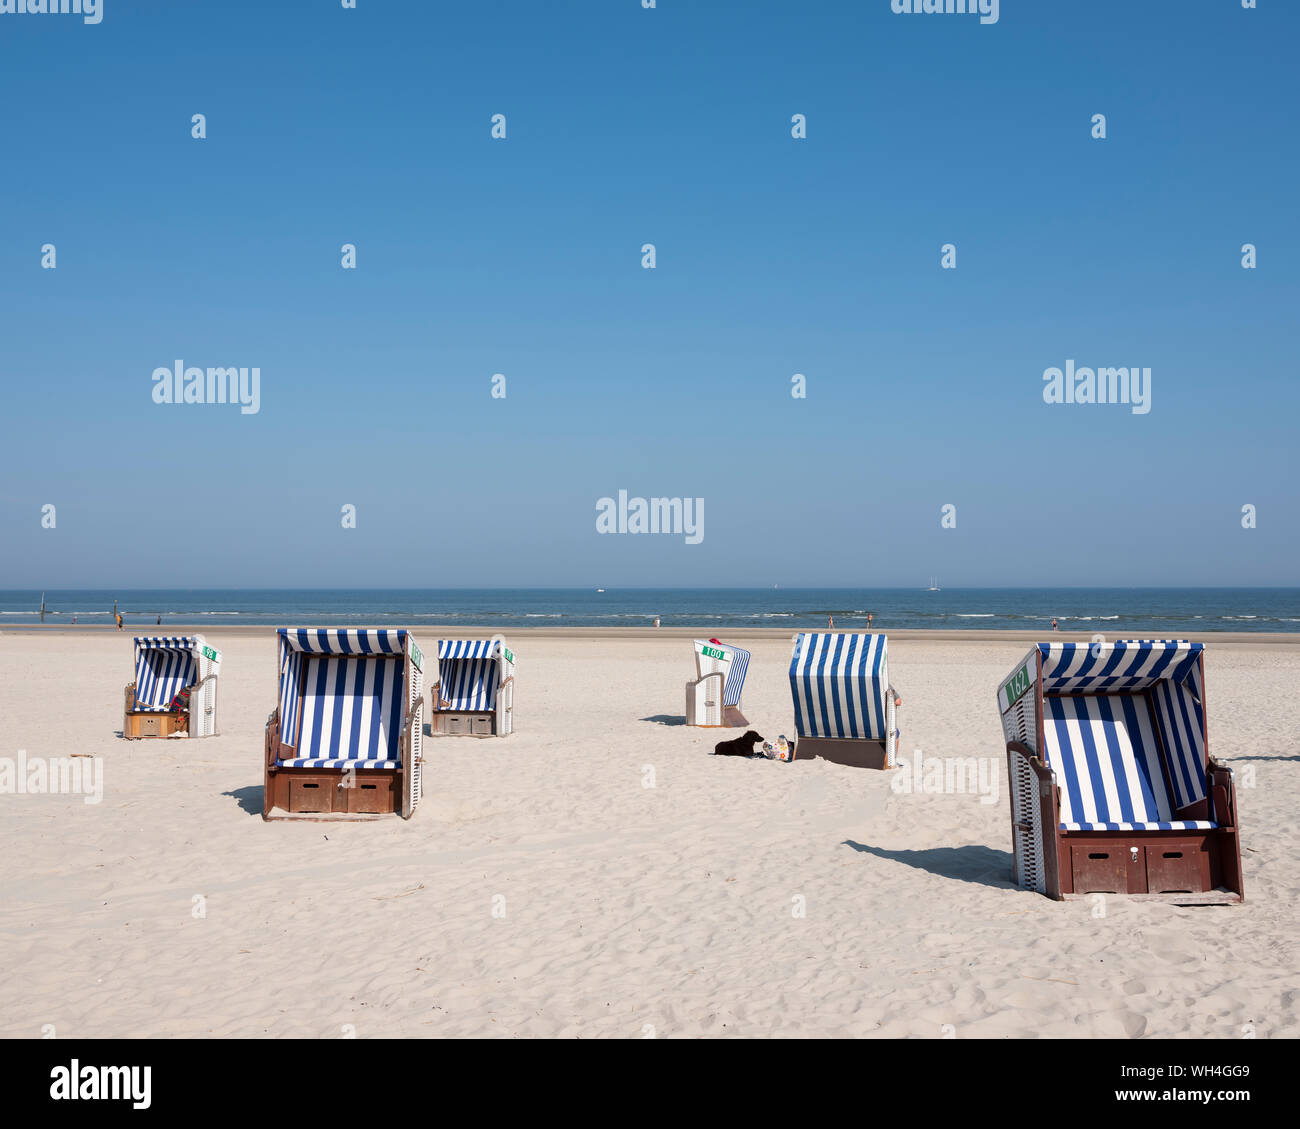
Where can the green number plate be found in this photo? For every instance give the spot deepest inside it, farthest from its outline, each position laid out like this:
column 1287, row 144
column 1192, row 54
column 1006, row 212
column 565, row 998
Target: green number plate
column 1017, row 686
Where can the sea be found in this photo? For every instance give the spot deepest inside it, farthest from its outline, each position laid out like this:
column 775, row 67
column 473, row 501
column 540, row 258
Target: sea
column 1122, row 612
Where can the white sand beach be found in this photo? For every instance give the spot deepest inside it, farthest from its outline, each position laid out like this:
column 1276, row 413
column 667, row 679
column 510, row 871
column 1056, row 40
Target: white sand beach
column 543, row 889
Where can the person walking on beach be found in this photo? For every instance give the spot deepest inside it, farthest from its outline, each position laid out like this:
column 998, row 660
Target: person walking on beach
column 868, row 621
column 656, row 621
column 160, row 621
column 830, row 622
column 1054, row 625
column 119, row 621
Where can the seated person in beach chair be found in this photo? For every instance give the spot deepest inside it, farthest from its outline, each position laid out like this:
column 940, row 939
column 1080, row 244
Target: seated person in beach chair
column 180, row 706
column 1113, row 790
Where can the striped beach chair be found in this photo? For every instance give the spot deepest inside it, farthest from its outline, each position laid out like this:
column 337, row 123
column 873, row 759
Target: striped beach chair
column 713, row 698
column 844, row 705
column 474, row 695
column 166, row 665
column 1113, row 789
column 346, row 737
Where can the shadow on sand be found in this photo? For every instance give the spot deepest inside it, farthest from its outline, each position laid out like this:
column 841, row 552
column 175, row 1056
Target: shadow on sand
column 972, row 863
column 666, row 718
column 249, row 798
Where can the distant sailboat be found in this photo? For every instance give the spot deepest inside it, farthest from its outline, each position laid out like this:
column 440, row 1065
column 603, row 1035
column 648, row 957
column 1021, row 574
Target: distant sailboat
column 934, row 585
column 600, row 589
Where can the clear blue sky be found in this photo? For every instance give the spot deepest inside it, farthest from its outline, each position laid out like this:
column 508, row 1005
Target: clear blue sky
column 775, row 257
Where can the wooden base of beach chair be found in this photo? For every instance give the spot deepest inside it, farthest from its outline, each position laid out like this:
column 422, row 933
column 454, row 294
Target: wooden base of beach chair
column 854, row 753
column 463, row 723
column 1183, row 867
column 137, row 725
column 293, row 792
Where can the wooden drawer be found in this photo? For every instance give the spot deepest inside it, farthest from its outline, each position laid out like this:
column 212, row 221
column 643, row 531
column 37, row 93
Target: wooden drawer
column 369, row 793
column 463, row 724
column 1178, row 868
column 1108, row 868
column 313, row 793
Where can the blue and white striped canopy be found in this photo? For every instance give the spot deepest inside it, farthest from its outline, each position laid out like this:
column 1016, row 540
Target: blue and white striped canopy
column 164, row 666
column 469, row 648
column 351, row 641
column 339, row 708
column 735, row 676
column 468, row 673
column 839, row 683
column 1124, row 665
column 166, row 642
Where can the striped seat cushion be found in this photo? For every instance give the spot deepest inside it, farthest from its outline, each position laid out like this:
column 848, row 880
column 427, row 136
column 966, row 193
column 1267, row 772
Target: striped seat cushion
column 351, row 712
column 839, row 683
column 160, row 674
column 467, row 674
column 1165, row 825
column 1107, row 761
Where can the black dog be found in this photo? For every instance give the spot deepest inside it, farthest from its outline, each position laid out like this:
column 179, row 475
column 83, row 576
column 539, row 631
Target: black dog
column 741, row 747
